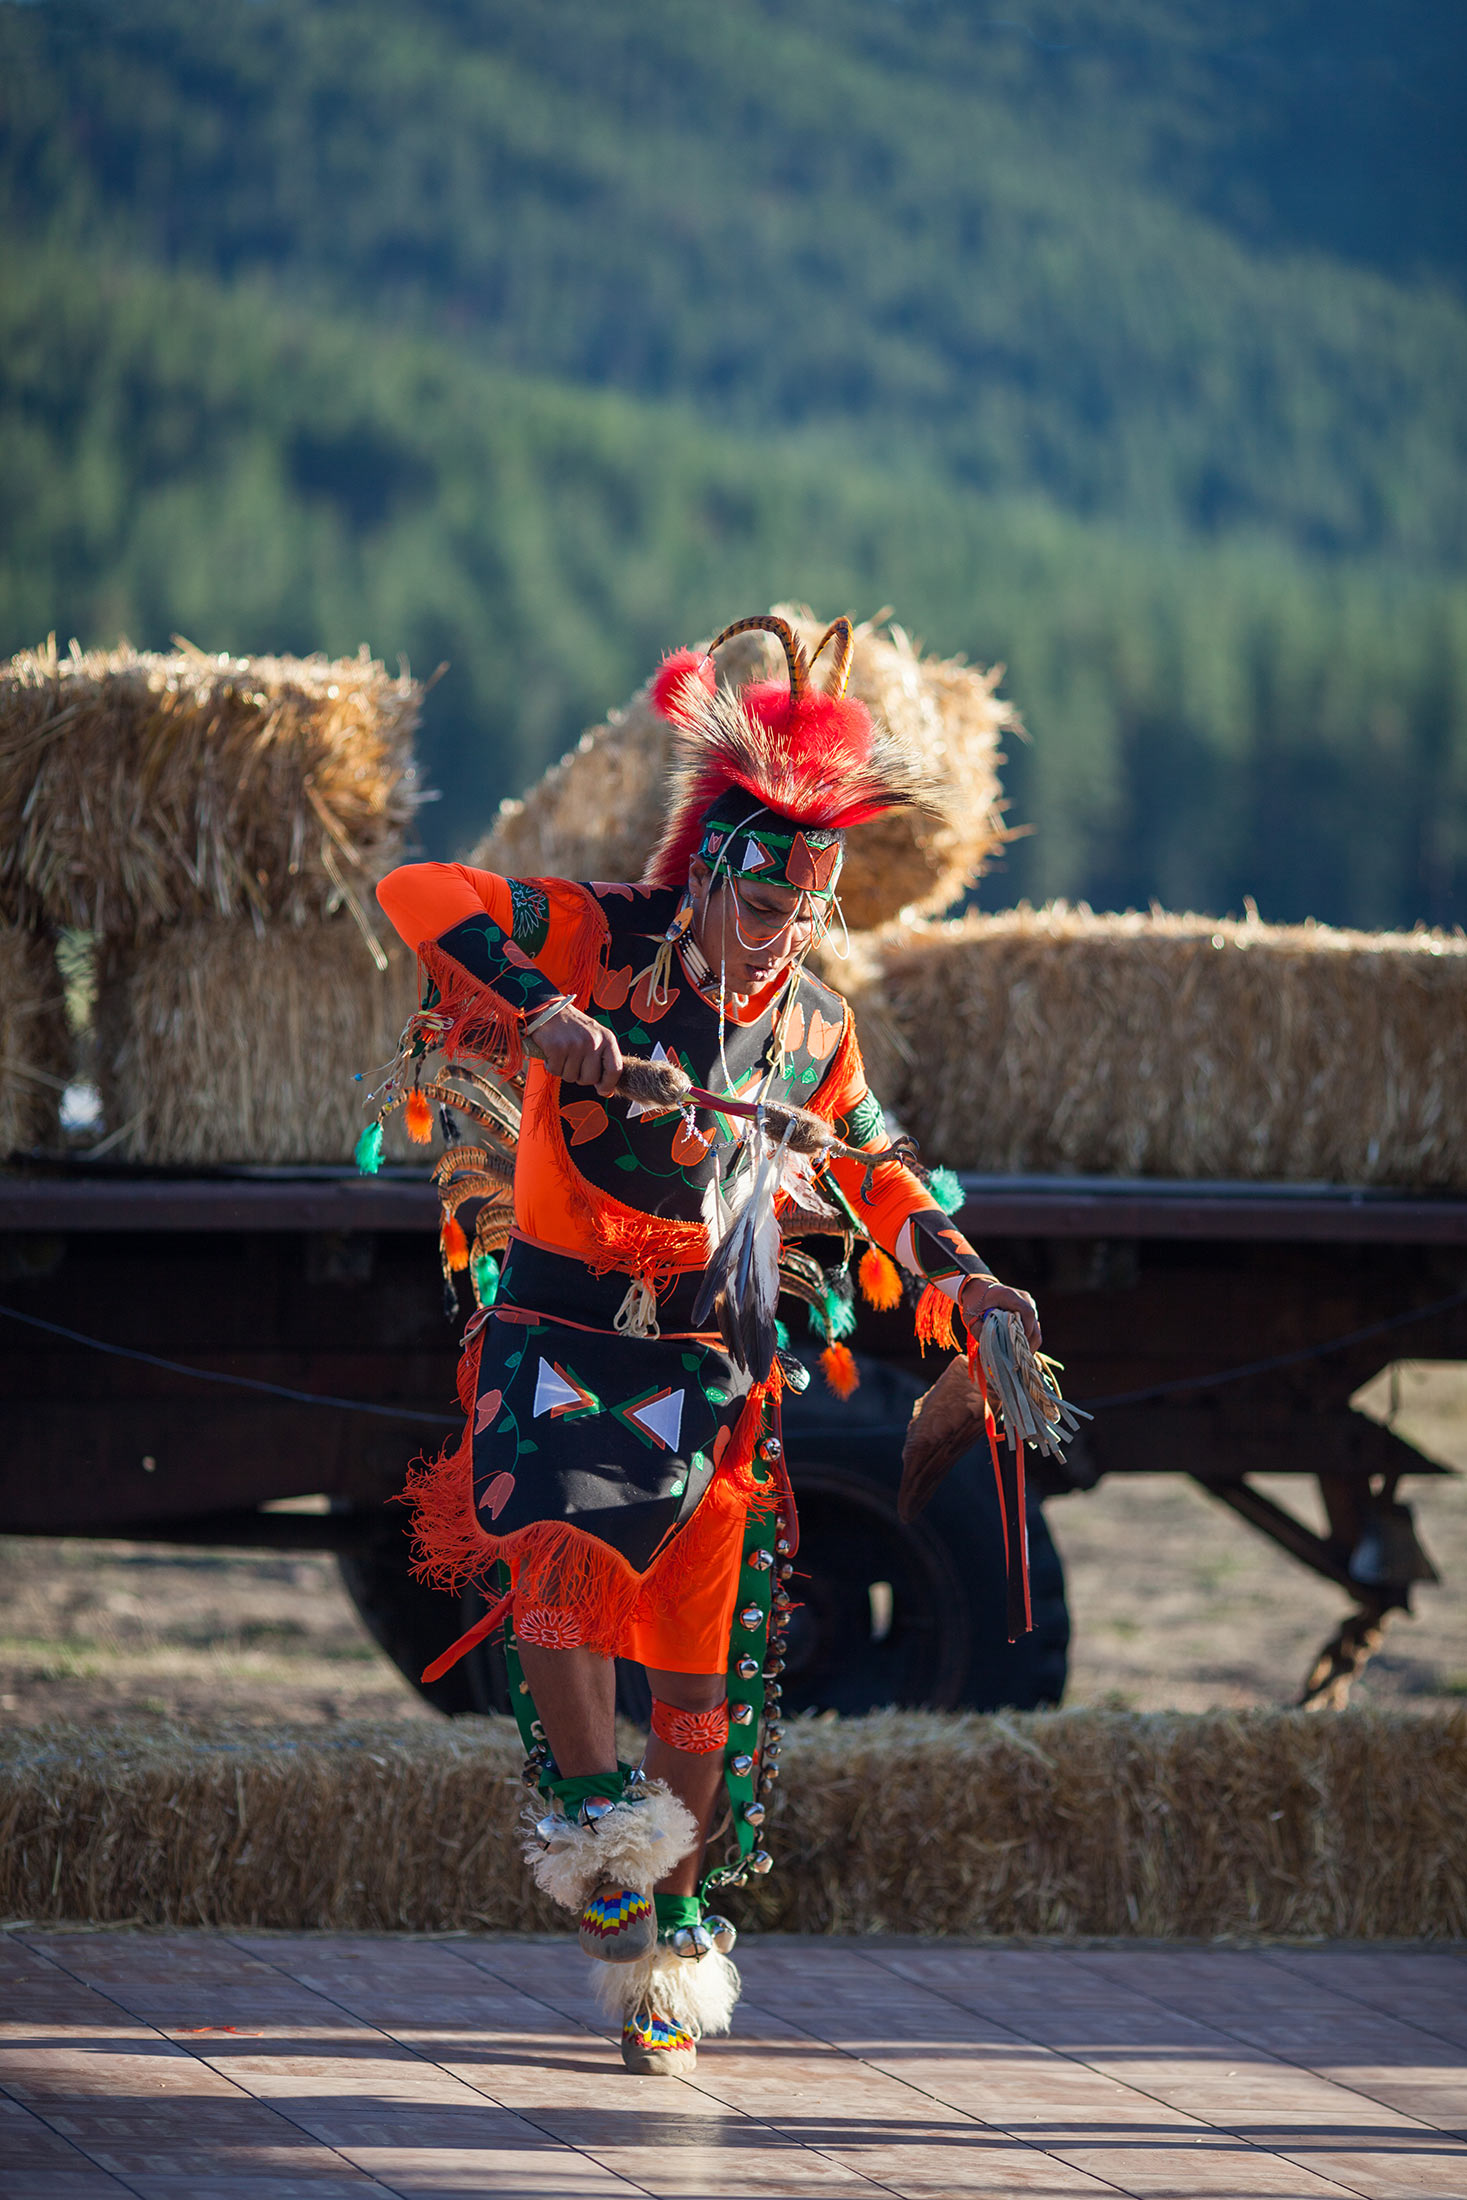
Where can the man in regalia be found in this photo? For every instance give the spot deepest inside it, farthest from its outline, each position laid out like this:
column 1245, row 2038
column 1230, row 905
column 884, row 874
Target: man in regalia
column 621, row 1477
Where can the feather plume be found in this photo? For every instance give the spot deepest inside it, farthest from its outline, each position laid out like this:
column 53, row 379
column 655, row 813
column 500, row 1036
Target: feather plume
column 881, row 1286
column 817, row 759
column 672, row 697
column 741, row 1282
column 838, row 1365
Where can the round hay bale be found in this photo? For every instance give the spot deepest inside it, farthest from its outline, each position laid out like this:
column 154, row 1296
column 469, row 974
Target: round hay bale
column 598, row 813
column 215, row 1044
column 1057, row 1041
column 35, row 1045
column 136, row 790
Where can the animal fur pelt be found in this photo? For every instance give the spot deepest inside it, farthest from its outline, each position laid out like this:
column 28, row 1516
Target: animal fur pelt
column 946, row 1421
column 633, row 1845
column 699, row 1994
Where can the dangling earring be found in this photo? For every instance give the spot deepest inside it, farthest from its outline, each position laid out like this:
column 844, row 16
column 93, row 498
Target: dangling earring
column 658, row 982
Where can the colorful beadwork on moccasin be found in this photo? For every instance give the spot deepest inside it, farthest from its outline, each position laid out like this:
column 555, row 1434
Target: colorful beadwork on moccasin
column 614, row 1910
column 655, row 2034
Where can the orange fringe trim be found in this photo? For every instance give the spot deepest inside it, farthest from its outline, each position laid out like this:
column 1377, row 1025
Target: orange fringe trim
column 554, row 1563
column 589, row 953
column 649, row 1246
column 480, row 1021
column 935, row 1320
column 845, row 1060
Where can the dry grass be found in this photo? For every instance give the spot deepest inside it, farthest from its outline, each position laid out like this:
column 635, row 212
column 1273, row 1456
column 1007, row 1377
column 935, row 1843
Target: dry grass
column 136, row 790
column 1085, row 1822
column 35, row 1049
column 215, row 1045
column 1054, row 1040
column 598, row 813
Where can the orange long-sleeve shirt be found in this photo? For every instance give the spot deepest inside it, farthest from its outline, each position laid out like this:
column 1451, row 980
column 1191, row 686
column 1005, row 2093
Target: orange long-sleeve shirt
column 426, row 901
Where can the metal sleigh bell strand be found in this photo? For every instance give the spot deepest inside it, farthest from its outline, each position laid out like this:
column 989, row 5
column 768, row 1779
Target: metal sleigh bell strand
column 692, row 1942
column 721, row 1932
column 751, row 1618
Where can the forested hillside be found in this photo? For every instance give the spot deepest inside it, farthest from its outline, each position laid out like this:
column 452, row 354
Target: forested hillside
column 539, row 338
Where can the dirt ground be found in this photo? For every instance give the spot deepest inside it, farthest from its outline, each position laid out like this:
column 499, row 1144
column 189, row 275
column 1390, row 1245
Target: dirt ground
column 1175, row 1603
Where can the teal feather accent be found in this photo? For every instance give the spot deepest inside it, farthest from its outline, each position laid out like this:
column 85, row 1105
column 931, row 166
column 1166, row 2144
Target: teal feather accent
column 781, row 1336
column 946, row 1190
column 485, row 1270
column 833, row 1315
column 369, row 1150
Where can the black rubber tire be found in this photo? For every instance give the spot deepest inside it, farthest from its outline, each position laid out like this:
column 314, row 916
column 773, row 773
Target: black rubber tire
column 911, row 1616
column 415, row 1625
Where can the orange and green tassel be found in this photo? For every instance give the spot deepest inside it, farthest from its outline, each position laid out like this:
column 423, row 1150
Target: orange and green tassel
column 418, row 1117
column 881, row 1286
column 838, row 1366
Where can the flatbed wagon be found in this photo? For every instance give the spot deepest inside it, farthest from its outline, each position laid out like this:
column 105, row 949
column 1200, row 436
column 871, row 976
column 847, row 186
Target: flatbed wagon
column 183, row 1356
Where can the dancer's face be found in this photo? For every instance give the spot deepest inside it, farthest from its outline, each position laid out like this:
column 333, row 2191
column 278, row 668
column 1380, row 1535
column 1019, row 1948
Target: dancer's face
column 751, row 929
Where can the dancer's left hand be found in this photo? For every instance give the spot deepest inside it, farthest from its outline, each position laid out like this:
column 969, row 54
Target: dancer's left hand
column 981, row 1294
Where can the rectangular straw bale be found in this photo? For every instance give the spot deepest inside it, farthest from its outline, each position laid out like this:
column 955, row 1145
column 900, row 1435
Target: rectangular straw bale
column 215, row 1044
column 35, row 1046
column 136, row 789
column 1054, row 1040
column 599, row 812
column 1075, row 1822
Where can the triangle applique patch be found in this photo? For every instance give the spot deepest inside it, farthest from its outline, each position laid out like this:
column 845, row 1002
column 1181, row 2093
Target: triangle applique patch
column 657, row 1417
column 560, row 1395
column 756, row 858
column 652, row 1107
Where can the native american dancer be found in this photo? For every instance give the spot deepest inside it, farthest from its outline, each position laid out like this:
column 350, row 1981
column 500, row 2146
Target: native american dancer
column 620, row 1489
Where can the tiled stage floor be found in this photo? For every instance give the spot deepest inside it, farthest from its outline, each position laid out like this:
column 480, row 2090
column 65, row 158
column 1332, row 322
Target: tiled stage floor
column 265, row 2067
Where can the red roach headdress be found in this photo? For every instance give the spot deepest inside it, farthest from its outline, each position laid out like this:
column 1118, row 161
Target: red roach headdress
column 809, row 760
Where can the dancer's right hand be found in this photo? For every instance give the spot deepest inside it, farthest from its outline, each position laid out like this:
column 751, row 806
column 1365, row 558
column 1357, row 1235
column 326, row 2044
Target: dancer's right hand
column 573, row 1046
